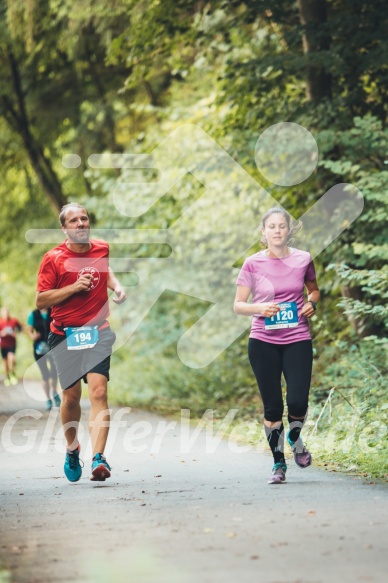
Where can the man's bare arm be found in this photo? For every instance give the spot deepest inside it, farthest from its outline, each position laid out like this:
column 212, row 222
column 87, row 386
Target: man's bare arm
column 115, row 285
column 53, row 297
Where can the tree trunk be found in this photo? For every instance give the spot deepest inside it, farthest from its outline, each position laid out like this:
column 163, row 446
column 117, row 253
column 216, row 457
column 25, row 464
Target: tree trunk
column 316, row 39
column 43, row 170
column 109, row 130
column 18, row 119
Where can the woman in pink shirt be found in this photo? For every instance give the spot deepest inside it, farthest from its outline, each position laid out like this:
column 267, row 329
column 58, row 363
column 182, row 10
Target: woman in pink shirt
column 280, row 340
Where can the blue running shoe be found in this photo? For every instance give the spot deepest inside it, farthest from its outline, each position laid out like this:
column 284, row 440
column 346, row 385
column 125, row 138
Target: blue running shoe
column 278, row 475
column 73, row 467
column 100, row 468
column 302, row 456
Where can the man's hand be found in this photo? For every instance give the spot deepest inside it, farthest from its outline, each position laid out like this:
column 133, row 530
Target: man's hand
column 115, row 285
column 120, row 295
column 83, row 282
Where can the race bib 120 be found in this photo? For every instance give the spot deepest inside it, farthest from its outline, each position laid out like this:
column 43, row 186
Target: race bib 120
column 79, row 338
column 287, row 317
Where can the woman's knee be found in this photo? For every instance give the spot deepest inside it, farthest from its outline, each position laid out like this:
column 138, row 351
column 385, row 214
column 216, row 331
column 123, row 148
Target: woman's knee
column 297, row 408
column 274, row 413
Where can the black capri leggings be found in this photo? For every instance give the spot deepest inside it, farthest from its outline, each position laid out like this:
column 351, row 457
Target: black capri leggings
column 268, row 362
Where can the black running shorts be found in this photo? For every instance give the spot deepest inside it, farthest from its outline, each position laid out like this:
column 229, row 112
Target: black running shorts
column 73, row 365
column 6, row 351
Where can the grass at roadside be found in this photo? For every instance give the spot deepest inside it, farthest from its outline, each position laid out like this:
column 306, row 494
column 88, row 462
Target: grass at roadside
column 358, row 448
column 5, row 575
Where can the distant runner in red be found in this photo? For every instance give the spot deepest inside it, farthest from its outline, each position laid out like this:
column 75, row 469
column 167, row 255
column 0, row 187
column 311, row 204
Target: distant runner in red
column 73, row 280
column 9, row 327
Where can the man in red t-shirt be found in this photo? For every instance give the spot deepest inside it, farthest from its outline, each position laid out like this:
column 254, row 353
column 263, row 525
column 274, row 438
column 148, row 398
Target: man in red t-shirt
column 73, row 280
column 9, row 327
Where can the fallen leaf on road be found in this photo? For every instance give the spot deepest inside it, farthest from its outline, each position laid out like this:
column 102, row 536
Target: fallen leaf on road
column 311, row 513
column 231, row 535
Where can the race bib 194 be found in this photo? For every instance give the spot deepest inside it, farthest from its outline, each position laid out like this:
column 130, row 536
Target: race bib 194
column 287, row 317
column 79, row 338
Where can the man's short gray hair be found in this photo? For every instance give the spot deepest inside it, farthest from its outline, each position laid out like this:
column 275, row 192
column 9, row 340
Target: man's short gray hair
column 65, row 208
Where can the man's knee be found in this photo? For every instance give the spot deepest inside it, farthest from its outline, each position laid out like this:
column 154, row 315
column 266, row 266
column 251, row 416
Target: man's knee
column 98, row 391
column 71, row 397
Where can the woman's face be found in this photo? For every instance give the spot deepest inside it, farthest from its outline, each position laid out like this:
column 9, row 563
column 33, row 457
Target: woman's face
column 276, row 230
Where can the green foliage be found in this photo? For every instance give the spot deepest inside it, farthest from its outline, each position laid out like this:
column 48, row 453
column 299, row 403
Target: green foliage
column 362, row 266
column 266, row 68
column 157, row 378
column 348, row 417
column 120, row 76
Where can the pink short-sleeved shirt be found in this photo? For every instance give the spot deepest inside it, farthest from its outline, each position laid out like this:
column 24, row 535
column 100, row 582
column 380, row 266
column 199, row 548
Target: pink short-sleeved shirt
column 278, row 280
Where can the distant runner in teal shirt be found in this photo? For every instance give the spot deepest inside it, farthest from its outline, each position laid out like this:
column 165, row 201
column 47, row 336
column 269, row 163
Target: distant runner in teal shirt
column 38, row 330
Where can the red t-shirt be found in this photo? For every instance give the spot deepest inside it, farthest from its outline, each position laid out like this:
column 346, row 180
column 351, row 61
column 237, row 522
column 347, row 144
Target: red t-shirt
column 12, row 325
column 61, row 267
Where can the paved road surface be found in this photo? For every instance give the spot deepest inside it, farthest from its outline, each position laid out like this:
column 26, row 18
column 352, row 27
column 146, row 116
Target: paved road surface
column 169, row 515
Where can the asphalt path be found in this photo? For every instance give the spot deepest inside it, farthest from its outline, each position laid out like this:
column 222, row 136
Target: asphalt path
column 182, row 506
